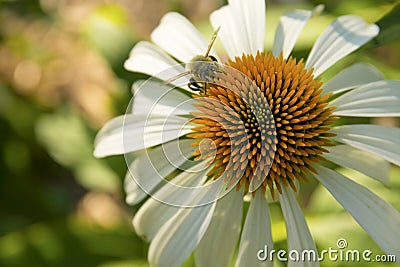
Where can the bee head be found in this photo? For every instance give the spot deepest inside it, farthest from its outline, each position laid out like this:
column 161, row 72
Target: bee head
column 203, row 58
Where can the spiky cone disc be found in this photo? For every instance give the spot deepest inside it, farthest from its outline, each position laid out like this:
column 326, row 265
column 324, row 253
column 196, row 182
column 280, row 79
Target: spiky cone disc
column 268, row 122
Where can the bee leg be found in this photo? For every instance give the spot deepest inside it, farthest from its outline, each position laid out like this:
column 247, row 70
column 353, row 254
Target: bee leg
column 194, row 86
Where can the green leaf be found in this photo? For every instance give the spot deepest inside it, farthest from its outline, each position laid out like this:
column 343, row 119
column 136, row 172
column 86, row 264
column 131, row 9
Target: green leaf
column 66, row 138
column 389, row 27
column 107, row 29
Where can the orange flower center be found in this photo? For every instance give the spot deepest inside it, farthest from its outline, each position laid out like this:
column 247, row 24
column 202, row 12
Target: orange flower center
column 265, row 127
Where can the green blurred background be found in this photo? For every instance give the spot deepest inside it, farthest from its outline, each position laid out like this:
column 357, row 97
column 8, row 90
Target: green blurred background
column 61, row 79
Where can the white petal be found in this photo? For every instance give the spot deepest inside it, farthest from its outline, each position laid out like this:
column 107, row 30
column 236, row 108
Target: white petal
column 252, row 14
column 152, row 97
column 177, row 35
column 256, row 234
column 379, row 140
column 356, row 75
column 379, row 219
column 289, row 28
column 377, row 99
column 176, row 239
column 149, row 169
column 219, row 242
column 359, row 160
column 151, row 216
column 134, row 194
column 298, row 234
column 188, row 196
column 228, row 33
column 148, row 59
column 343, row 36
column 242, row 26
column 153, row 213
column 129, row 133
column 179, row 236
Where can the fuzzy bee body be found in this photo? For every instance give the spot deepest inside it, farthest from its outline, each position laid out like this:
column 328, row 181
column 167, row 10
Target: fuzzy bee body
column 202, row 69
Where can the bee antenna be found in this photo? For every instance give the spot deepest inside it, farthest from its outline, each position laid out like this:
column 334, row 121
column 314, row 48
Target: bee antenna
column 214, row 36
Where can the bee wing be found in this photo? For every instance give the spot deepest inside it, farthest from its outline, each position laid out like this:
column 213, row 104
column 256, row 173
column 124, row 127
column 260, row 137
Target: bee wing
column 170, row 80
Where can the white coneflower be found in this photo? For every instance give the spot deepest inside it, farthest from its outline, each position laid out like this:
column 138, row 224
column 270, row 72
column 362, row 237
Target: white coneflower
column 277, row 141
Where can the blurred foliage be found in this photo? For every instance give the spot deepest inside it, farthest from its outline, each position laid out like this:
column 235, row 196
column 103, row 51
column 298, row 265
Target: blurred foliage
column 390, row 25
column 62, row 77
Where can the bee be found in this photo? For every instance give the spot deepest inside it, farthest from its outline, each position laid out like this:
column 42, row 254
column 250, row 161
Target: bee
column 202, row 69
